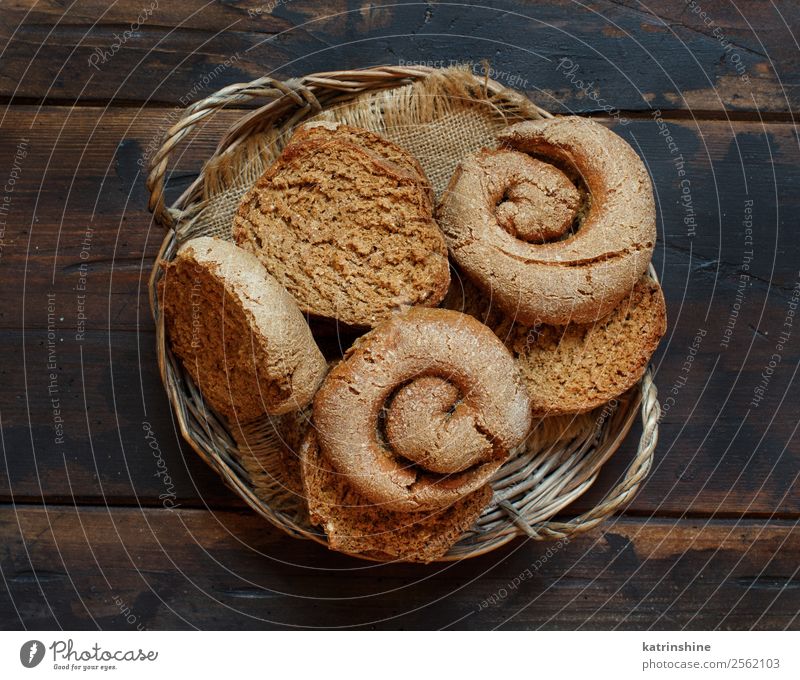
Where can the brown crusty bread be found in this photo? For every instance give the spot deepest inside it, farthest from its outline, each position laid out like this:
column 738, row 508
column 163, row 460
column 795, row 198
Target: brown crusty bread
column 356, row 526
column 577, row 367
column 575, row 276
column 237, row 332
column 349, row 234
column 539, row 204
column 325, row 130
column 422, row 350
column 427, row 423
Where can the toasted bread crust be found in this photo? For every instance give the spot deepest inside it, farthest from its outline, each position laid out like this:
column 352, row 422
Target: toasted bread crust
column 238, row 333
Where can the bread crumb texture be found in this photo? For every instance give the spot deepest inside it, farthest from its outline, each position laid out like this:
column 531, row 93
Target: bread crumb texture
column 349, row 234
column 577, row 367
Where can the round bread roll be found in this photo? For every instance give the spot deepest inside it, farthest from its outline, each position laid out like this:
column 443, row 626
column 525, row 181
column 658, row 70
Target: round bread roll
column 422, row 411
column 238, row 332
column 557, row 225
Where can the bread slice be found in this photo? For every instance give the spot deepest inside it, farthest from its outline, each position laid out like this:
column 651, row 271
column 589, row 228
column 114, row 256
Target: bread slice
column 350, row 235
column 325, row 130
column 357, row 526
column 237, row 332
column 577, row 367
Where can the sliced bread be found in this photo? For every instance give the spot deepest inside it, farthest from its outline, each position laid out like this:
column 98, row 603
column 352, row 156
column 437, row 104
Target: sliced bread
column 325, row 130
column 237, row 332
column 349, row 234
column 577, row 367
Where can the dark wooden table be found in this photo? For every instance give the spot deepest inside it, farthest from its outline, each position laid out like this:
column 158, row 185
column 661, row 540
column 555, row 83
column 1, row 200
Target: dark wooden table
column 711, row 541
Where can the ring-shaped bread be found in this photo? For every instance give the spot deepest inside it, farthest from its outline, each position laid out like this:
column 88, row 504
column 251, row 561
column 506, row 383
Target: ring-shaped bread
column 547, row 273
column 422, row 410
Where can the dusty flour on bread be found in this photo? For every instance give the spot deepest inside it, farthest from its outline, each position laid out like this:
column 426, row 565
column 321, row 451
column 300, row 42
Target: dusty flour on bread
column 237, row 332
column 488, row 409
column 578, row 279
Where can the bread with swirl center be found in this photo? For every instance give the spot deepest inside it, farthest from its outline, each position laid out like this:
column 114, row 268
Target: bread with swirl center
column 422, row 410
column 557, row 225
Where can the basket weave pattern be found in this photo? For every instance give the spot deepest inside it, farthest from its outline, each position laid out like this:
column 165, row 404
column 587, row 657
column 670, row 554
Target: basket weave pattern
column 439, row 116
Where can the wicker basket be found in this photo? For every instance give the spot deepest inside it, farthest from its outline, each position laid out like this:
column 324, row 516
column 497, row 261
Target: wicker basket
column 440, row 116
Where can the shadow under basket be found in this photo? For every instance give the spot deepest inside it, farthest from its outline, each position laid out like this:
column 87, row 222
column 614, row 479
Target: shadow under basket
column 440, row 116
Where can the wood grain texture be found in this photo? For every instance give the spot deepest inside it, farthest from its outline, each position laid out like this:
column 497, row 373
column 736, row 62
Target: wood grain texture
column 628, row 55
column 80, row 568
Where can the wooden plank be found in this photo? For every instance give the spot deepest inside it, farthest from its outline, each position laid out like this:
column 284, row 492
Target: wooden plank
column 79, row 200
column 77, row 220
column 77, row 419
column 623, row 55
column 706, row 462
column 127, row 568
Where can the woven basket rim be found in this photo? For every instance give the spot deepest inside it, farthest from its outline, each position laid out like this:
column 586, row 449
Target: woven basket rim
column 304, row 93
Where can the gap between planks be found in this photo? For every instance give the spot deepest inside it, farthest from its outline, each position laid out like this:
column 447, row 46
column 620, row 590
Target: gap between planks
column 122, row 504
column 764, row 116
